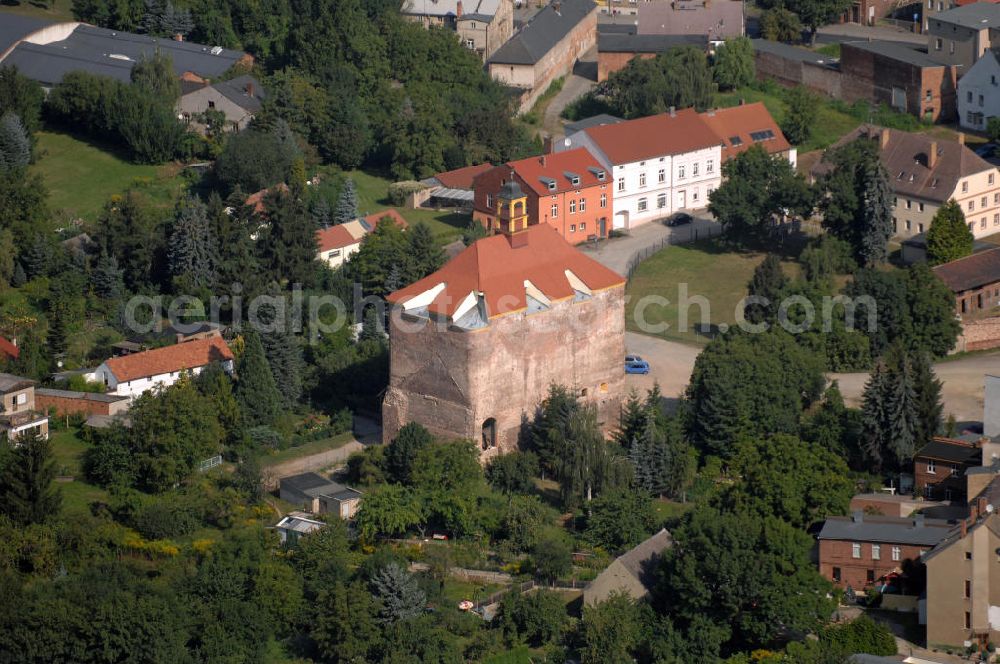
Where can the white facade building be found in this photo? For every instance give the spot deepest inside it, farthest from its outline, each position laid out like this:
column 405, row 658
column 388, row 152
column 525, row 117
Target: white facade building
column 979, row 93
column 137, row 373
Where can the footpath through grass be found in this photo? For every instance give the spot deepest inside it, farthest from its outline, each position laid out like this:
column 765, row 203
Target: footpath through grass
column 307, row 449
column 700, row 272
column 81, row 176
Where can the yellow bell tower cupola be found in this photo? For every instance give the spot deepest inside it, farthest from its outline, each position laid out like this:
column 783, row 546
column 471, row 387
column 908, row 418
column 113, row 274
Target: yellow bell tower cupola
column 512, row 209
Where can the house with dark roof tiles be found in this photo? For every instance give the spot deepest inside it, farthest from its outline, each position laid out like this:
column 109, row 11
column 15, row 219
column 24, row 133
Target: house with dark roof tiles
column 545, row 49
column 975, row 281
column 239, row 99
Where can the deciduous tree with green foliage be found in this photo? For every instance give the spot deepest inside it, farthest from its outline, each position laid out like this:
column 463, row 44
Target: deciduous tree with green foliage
column 756, row 188
column 620, row 519
column 401, row 453
column 949, row 237
column 779, row 24
column 800, row 118
column 733, row 66
column 679, row 78
column 814, row 14
column 552, row 557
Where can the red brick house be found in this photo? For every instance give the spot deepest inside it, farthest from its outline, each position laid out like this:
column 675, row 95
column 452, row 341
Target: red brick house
column 975, row 281
column 939, row 468
column 858, row 550
column 567, row 190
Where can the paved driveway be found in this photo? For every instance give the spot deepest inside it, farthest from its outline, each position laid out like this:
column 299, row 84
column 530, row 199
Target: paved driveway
column 617, row 252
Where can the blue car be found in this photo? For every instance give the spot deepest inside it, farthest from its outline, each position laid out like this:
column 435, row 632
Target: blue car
column 636, row 365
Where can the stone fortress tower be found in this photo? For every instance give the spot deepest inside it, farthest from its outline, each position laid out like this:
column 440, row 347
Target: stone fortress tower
column 475, row 346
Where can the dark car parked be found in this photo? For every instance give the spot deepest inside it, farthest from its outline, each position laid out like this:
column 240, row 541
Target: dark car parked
column 679, row 219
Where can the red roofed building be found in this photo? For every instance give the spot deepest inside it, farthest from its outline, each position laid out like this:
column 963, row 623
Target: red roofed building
column 8, row 351
column 134, row 374
column 475, row 346
column 567, row 190
column 460, row 178
column 741, row 126
column 658, row 165
column 334, row 245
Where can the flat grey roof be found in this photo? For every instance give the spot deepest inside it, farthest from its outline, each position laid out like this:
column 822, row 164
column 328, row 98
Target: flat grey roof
column 887, row 529
column 97, row 397
column 978, row 15
column 14, row 28
column 627, row 43
column 592, row 121
column 542, row 32
column 908, row 53
column 110, row 53
column 793, row 53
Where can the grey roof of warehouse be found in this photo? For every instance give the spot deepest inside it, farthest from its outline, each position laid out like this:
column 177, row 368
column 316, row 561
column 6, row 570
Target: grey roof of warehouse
column 978, row 15
column 472, row 10
column 632, row 43
column 111, row 53
column 542, row 32
column 916, row 530
column 314, row 484
column 793, row 53
column 14, row 28
column 908, row 53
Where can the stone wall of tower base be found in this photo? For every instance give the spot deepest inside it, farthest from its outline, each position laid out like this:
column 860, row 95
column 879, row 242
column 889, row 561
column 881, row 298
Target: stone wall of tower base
column 454, row 381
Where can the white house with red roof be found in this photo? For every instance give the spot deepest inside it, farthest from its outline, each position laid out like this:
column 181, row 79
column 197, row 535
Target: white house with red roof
column 334, row 245
column 665, row 163
column 658, row 164
column 134, row 374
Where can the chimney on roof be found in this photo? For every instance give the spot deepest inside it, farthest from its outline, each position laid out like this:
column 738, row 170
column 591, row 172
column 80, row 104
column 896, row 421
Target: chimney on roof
column 884, row 139
column 965, row 529
column 673, row 112
column 932, row 155
column 961, row 138
column 458, row 9
column 250, row 89
column 557, row 5
column 541, row 160
column 547, row 145
column 857, row 516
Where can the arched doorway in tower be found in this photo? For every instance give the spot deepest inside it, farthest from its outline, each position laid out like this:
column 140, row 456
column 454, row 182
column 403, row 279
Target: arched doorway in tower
column 489, row 434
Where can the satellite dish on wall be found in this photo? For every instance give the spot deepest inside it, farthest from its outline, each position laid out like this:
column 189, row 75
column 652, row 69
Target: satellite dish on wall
column 567, row 142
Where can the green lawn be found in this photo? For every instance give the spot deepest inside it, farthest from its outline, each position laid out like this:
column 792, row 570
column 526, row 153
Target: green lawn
column 306, row 449
column 455, row 591
column 373, row 196
column 705, row 269
column 81, row 176
column 55, row 10
column 68, row 449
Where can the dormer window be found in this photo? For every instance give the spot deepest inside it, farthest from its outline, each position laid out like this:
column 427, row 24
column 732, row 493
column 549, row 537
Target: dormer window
column 575, row 181
column 600, row 175
column 552, row 186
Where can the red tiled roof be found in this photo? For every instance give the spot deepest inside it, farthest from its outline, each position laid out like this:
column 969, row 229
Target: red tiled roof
column 557, row 166
column 187, row 355
column 461, row 178
column 372, row 220
column 256, row 199
column 972, row 271
column 9, row 349
column 497, row 270
column 739, row 122
column 334, row 237
column 654, row 136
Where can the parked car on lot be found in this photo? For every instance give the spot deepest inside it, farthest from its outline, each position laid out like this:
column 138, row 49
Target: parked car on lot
column 679, row 219
column 636, row 365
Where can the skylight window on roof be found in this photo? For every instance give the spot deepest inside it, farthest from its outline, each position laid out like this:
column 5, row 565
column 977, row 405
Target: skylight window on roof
column 763, row 135
column 901, row 174
column 735, row 140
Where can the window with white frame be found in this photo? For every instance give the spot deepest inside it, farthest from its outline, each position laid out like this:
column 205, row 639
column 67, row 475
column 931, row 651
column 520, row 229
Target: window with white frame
column 661, row 176
column 897, row 553
column 583, row 205
column 642, row 179
column 22, row 398
column 710, row 166
column 932, row 467
column 680, row 171
column 554, row 210
column 621, row 184
column 572, row 206
column 856, row 550
column 661, row 201
column 876, row 552
column 604, row 200
column 642, row 205
column 694, row 169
